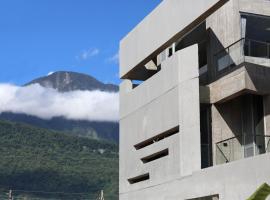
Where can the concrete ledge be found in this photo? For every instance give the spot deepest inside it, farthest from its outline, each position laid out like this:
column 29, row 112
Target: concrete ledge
column 250, row 78
column 228, row 86
column 260, row 7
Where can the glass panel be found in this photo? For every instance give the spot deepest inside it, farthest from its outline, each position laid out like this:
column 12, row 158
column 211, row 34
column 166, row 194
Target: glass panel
column 229, row 150
column 258, row 49
column 230, row 57
column 249, row 146
column 268, row 144
column 249, row 150
column 206, row 139
column 235, row 54
column 224, row 61
column 260, row 145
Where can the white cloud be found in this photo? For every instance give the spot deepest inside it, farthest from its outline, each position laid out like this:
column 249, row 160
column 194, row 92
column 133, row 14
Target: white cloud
column 114, row 58
column 86, row 54
column 47, row 103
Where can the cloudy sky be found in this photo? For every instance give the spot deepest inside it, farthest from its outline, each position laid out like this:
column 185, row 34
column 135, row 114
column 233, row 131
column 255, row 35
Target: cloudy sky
column 47, row 103
column 40, row 36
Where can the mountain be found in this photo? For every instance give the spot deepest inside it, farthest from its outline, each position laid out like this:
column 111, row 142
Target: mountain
column 88, row 129
column 35, row 159
column 65, row 81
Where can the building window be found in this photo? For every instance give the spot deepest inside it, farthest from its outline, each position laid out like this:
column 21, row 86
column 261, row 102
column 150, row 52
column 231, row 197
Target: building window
column 212, row 197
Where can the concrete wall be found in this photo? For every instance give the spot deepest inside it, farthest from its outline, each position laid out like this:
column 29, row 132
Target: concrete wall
column 232, row 181
column 224, row 29
column 233, row 120
column 157, row 107
column 151, row 89
column 224, row 25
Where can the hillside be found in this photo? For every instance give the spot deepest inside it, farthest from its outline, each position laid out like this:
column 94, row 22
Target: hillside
column 95, row 130
column 35, row 159
column 65, row 81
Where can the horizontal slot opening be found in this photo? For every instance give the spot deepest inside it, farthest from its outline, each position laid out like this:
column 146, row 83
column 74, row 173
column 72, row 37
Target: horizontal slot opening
column 155, row 156
column 138, row 179
column 157, row 138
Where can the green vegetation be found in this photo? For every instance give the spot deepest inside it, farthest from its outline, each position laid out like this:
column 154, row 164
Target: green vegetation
column 261, row 193
column 35, row 159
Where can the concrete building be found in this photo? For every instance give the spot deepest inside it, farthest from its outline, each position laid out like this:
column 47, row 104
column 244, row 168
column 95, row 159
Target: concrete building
column 195, row 101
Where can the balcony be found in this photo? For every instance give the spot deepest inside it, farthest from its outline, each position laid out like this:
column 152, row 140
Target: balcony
column 240, row 147
column 243, row 51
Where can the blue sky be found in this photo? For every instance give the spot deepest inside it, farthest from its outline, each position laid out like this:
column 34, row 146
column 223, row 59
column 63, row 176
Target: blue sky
column 42, row 36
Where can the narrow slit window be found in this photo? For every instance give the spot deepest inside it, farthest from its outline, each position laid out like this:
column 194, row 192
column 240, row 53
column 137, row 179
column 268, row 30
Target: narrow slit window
column 138, row 179
column 157, row 138
column 155, row 156
column 170, row 52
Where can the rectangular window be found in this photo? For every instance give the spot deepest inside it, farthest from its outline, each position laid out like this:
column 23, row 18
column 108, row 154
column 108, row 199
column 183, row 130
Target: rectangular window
column 213, row 197
column 138, row 179
column 155, row 156
column 157, row 138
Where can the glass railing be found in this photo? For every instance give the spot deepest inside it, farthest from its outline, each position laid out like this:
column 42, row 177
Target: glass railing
column 255, row 48
column 240, row 147
column 268, row 145
column 230, row 57
column 236, row 53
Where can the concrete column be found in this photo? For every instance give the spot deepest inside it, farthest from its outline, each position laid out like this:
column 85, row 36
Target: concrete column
column 189, row 111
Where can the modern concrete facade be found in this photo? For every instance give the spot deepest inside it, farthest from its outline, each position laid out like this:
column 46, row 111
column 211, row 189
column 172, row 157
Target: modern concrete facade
column 195, row 101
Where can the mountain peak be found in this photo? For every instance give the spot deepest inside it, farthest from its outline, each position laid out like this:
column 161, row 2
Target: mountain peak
column 65, row 81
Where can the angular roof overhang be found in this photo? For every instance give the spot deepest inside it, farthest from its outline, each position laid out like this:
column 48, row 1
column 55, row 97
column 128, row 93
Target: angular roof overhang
column 172, row 19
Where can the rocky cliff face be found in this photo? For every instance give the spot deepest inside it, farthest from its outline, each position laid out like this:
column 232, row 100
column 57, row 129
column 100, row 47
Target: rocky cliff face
column 65, row 81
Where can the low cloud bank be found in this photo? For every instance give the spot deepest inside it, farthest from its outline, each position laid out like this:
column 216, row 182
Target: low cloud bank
column 47, row 103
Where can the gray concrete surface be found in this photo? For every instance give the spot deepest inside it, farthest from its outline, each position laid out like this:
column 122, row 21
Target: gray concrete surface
column 235, row 87
column 232, row 181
